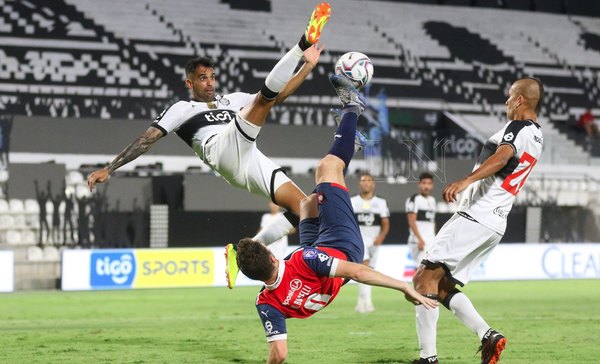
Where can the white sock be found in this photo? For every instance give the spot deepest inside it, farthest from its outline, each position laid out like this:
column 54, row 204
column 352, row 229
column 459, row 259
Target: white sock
column 284, row 70
column 364, row 293
column 427, row 330
column 464, row 310
column 274, row 230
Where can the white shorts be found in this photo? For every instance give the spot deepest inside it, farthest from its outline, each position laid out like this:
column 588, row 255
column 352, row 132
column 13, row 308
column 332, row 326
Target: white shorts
column 462, row 245
column 232, row 153
column 371, row 253
column 413, row 248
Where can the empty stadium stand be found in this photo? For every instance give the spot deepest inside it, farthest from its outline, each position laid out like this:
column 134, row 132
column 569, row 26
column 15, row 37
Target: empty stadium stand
column 114, row 59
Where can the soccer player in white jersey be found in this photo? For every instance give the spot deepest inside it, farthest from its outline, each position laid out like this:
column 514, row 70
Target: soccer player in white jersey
column 279, row 247
column 420, row 213
column 373, row 217
column 469, row 237
column 222, row 131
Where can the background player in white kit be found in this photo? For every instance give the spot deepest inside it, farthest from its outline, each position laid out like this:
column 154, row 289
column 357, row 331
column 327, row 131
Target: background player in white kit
column 373, row 218
column 279, row 247
column 222, row 131
column 420, row 213
column 469, row 237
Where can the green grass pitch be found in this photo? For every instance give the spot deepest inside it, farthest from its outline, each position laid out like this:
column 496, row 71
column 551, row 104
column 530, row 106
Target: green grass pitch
column 544, row 321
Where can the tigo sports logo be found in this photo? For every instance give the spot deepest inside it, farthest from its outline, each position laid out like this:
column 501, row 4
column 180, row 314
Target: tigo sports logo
column 112, row 270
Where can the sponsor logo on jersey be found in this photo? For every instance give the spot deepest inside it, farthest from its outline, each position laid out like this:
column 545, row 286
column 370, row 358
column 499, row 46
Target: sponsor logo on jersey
column 366, row 219
column 509, row 137
column 538, row 139
column 310, row 253
column 294, row 286
column 500, row 212
column 220, row 116
column 112, row 269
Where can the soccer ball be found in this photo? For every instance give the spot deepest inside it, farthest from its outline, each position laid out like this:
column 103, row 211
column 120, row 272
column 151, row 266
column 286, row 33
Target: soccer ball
column 355, row 66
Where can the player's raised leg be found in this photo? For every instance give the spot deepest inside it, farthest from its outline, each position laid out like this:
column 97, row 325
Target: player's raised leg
column 276, row 86
column 333, row 166
column 279, row 84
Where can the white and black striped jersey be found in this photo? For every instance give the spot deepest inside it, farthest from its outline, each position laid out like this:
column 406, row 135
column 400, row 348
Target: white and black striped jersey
column 368, row 214
column 195, row 121
column 425, row 208
column 490, row 200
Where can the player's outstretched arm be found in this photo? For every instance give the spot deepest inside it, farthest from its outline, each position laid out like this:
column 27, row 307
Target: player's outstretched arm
column 311, row 58
column 492, row 165
column 363, row 274
column 138, row 147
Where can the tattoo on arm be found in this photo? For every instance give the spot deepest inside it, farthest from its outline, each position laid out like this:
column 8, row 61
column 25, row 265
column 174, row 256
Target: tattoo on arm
column 139, row 146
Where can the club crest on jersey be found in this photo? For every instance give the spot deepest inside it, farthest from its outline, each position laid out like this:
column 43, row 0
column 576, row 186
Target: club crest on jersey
column 223, row 101
column 509, row 137
column 310, row 253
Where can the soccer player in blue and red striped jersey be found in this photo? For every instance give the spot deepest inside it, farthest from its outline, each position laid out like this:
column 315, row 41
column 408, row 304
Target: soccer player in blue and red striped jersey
column 332, row 248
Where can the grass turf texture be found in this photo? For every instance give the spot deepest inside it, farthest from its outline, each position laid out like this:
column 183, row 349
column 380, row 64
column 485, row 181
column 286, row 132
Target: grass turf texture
column 544, row 321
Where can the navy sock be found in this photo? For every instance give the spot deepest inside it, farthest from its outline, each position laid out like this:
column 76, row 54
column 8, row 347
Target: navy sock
column 343, row 142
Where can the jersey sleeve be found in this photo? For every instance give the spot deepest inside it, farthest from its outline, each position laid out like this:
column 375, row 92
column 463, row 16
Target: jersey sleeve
column 515, row 136
column 273, row 322
column 411, row 205
column 320, row 262
column 385, row 211
column 171, row 118
column 243, row 98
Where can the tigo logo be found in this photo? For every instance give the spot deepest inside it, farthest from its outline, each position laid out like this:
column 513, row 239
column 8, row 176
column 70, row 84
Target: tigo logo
column 112, row 270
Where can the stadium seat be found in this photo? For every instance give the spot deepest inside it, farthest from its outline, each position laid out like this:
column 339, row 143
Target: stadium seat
column 35, row 254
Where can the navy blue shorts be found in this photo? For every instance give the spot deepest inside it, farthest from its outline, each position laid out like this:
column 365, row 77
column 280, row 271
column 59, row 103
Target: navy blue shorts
column 336, row 226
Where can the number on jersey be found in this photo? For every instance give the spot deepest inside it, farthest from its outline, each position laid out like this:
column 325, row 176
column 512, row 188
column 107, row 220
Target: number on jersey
column 514, row 182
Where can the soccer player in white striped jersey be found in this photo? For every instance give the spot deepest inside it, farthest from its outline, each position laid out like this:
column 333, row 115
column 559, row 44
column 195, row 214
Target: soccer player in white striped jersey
column 420, row 213
column 373, row 217
column 222, row 131
column 469, row 237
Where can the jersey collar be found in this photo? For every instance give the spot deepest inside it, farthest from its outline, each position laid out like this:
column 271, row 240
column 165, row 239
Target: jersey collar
column 280, row 272
column 217, row 98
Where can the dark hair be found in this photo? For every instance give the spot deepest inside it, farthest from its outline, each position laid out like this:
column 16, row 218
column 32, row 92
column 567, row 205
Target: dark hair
column 254, row 260
column 425, row 175
column 192, row 64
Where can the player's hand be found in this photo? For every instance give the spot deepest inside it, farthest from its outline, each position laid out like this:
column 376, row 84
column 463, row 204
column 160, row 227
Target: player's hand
column 421, row 244
column 312, row 54
column 453, row 189
column 417, row 299
column 99, row 176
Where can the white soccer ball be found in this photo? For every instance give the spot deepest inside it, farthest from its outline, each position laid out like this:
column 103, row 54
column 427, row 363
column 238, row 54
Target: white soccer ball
column 355, row 66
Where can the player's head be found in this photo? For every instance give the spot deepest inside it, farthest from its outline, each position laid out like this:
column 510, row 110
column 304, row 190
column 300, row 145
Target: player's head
column 255, row 260
column 366, row 183
column 525, row 97
column 425, row 183
column 200, row 78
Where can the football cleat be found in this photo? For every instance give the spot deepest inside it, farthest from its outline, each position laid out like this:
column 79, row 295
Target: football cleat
column 348, row 94
column 317, row 21
column 491, row 347
column 360, row 140
column 430, row 360
column 231, row 267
